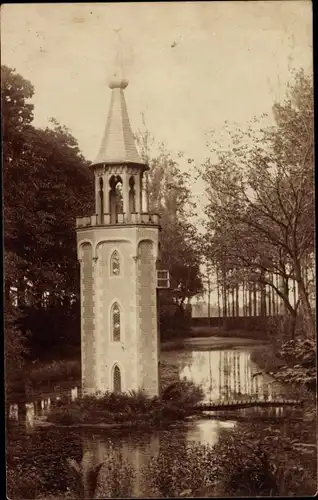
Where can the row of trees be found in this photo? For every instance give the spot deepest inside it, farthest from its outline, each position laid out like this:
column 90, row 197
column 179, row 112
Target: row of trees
column 169, row 195
column 260, row 211
column 243, row 297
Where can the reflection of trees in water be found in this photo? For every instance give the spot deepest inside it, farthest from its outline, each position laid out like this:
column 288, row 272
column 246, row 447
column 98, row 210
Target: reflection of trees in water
column 226, row 375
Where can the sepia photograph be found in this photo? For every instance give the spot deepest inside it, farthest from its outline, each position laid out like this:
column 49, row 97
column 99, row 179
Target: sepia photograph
column 159, row 249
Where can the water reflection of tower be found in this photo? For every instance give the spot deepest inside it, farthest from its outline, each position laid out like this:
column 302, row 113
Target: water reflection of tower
column 135, row 452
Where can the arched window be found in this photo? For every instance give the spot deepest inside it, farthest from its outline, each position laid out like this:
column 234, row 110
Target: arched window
column 132, row 195
column 115, row 317
column 101, row 201
column 115, row 198
column 116, row 379
column 115, row 264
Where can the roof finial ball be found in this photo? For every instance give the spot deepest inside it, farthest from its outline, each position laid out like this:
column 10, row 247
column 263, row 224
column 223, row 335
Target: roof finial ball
column 117, row 80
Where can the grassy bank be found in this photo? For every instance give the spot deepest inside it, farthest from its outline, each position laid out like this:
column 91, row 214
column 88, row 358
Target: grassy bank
column 53, row 372
column 216, row 331
column 48, row 374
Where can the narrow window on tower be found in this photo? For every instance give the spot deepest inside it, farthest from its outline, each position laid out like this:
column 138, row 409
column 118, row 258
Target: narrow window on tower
column 115, row 319
column 116, row 379
column 115, row 264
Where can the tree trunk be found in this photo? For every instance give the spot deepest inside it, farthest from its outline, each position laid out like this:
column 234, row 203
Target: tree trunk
column 229, row 303
column 250, row 300
column 237, row 300
column 209, row 301
column 218, row 293
column 294, row 292
column 262, row 298
column 286, row 293
column 274, row 312
column 309, row 317
column 224, row 299
column 254, row 300
column 243, row 299
column 278, row 299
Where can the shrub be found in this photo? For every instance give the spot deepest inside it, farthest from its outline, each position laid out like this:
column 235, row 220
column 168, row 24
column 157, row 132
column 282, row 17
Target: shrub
column 66, row 415
column 184, row 393
column 54, row 372
column 263, row 462
column 176, row 403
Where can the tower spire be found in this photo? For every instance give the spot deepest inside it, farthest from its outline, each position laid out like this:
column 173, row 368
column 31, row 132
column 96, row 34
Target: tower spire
column 118, row 144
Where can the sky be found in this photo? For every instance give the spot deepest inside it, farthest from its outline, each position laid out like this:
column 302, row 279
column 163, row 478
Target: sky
column 190, row 66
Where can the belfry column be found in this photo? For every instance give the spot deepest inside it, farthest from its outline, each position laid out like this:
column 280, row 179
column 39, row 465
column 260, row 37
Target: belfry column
column 106, row 193
column 138, row 193
column 144, row 194
column 97, row 188
column 126, row 194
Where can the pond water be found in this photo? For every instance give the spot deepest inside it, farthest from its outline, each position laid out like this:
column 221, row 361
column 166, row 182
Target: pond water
column 225, row 374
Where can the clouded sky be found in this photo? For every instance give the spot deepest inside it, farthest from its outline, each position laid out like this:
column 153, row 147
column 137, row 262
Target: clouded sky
column 191, row 66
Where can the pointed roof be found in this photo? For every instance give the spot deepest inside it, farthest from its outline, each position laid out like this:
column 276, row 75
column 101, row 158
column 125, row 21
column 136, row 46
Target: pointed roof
column 118, row 144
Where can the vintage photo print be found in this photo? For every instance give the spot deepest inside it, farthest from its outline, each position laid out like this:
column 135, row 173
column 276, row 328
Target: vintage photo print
column 159, row 249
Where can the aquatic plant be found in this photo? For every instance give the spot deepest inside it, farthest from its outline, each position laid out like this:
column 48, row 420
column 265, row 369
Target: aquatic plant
column 117, row 477
column 181, row 470
column 86, row 476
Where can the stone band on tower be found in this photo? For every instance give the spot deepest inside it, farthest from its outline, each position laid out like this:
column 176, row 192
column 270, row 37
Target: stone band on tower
column 118, row 251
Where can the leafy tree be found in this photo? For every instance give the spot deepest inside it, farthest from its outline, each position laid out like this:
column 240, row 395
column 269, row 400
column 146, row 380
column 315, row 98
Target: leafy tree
column 260, row 190
column 46, row 185
column 169, row 195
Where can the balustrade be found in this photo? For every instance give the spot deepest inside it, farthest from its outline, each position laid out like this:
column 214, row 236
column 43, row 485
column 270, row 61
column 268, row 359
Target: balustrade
column 122, row 218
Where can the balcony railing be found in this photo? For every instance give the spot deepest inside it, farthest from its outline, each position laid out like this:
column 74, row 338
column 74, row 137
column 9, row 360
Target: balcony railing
column 121, row 219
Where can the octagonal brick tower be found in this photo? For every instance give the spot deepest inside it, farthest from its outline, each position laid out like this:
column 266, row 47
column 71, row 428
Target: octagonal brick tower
column 117, row 250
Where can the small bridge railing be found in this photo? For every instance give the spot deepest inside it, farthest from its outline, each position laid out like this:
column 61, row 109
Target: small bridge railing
column 237, row 404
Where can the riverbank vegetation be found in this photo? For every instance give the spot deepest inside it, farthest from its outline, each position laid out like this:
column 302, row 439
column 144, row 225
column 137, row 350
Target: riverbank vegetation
column 292, row 363
column 176, row 403
column 251, row 463
column 256, row 460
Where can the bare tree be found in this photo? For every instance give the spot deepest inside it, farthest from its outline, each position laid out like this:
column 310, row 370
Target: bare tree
column 261, row 202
